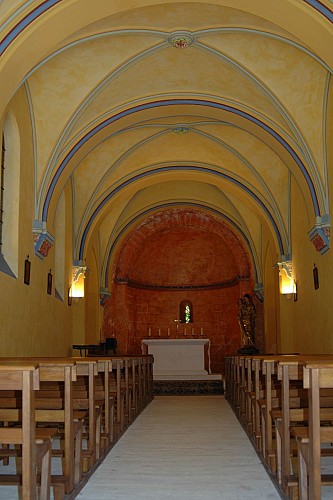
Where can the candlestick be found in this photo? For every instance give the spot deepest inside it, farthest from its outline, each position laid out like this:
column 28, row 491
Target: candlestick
column 185, row 332
column 149, row 332
column 192, row 332
column 168, row 332
column 159, row 332
column 201, row 332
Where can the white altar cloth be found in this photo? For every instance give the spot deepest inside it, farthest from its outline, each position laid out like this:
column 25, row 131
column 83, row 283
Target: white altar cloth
column 179, row 359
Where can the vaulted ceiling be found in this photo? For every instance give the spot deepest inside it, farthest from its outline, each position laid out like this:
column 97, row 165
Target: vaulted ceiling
column 146, row 105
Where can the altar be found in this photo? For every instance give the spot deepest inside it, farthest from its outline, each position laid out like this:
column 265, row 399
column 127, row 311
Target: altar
column 180, row 359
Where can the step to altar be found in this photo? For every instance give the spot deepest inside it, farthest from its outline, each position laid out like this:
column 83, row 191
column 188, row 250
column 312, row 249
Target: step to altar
column 188, row 387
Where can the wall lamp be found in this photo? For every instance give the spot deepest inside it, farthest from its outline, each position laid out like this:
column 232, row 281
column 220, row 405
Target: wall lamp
column 287, row 283
column 78, row 282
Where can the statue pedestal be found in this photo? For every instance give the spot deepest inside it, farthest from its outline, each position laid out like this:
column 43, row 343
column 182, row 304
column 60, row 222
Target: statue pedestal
column 248, row 351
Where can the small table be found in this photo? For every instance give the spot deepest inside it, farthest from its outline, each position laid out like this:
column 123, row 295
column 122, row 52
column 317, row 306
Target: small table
column 85, row 347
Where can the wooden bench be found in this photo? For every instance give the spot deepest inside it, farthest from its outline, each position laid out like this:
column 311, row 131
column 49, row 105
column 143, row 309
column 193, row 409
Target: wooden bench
column 294, row 404
column 35, row 446
column 54, row 406
column 78, row 394
column 278, row 386
column 103, row 390
column 317, row 375
column 59, row 409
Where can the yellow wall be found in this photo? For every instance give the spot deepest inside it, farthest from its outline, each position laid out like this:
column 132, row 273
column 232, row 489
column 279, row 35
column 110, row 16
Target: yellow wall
column 32, row 322
column 306, row 325
column 271, row 303
column 92, row 310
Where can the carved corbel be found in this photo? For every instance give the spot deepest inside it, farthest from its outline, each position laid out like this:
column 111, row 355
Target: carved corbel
column 43, row 240
column 320, row 234
column 104, row 295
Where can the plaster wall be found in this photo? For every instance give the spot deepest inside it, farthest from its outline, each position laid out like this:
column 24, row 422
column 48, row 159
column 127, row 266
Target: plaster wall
column 307, row 324
column 92, row 306
column 32, row 322
column 271, row 302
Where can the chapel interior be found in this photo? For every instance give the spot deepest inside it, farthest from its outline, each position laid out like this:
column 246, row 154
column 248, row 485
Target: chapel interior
column 162, row 152
column 161, row 161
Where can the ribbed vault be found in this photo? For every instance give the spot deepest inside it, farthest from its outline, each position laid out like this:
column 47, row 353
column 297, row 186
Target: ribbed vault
column 143, row 108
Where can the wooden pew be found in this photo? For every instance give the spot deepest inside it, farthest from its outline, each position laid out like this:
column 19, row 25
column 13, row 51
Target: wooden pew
column 257, row 397
column 103, row 390
column 294, row 404
column 263, row 394
column 126, row 383
column 117, row 390
column 269, row 399
column 232, row 382
column 276, row 387
column 149, row 362
column 129, row 380
column 84, row 398
column 36, row 447
column 116, row 384
column 85, row 408
column 59, row 410
column 271, row 403
column 317, row 375
column 259, row 392
column 54, row 406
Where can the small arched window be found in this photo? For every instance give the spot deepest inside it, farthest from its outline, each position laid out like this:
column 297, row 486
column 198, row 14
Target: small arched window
column 186, row 311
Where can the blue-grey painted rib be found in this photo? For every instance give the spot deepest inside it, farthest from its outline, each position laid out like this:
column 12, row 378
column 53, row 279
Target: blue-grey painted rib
column 25, row 22
column 34, row 145
column 129, row 181
column 77, row 115
column 325, row 113
column 151, row 105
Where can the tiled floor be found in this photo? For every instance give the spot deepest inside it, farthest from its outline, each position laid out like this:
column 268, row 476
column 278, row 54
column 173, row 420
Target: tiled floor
column 186, row 448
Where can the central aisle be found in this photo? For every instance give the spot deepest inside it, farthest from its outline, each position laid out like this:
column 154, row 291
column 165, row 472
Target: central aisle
column 186, row 448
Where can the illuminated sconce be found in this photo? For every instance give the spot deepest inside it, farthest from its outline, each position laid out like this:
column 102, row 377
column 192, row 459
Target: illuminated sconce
column 77, row 291
column 295, row 291
column 287, row 284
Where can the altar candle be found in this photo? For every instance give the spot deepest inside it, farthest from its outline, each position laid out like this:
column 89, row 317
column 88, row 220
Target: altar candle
column 192, row 332
column 168, row 332
column 185, row 332
column 201, row 331
column 159, row 332
column 149, row 332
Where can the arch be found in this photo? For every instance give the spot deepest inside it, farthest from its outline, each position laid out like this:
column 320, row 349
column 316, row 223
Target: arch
column 46, row 5
column 193, row 168
column 180, row 219
column 321, row 8
column 175, row 102
column 25, row 22
column 244, row 238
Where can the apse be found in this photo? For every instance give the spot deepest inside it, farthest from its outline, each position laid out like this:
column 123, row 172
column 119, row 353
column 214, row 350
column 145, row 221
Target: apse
column 176, row 257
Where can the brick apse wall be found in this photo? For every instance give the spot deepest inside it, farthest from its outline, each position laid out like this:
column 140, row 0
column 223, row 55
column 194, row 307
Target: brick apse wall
column 180, row 254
